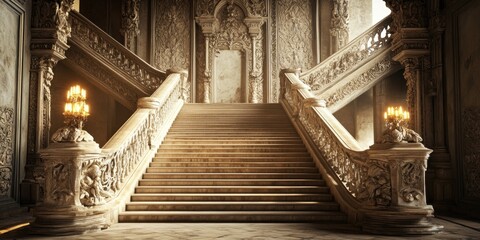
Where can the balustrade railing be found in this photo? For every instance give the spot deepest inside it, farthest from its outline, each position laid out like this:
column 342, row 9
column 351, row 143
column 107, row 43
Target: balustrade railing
column 354, row 68
column 87, row 186
column 136, row 72
column 381, row 188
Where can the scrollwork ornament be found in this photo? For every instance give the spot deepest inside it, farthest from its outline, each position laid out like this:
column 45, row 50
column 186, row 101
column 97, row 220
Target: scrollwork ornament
column 70, row 134
column 378, row 191
column 6, row 149
column 94, row 183
column 61, row 185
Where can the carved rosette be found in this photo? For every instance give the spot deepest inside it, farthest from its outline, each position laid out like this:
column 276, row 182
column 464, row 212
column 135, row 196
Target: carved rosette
column 339, row 23
column 6, row 150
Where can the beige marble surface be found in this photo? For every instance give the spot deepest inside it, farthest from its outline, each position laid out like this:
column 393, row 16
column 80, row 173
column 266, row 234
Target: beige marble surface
column 454, row 229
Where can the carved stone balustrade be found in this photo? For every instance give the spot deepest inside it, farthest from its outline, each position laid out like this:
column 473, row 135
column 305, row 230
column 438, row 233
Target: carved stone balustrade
column 381, row 188
column 355, row 68
column 87, row 186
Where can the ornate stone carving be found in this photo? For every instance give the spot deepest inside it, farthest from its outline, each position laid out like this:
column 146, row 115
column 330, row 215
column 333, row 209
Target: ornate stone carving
column 116, row 85
column 108, row 49
column 69, row 134
column 295, row 34
column 130, row 21
column 95, row 183
column 377, row 191
column 61, row 190
column 352, row 56
column 172, row 35
column 253, row 7
column 275, row 81
column 6, row 150
column 407, row 14
column 471, row 165
column 205, row 7
column 339, row 23
column 412, row 173
column 367, row 78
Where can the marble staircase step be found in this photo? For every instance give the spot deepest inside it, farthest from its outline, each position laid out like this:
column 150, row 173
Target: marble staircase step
column 185, row 170
column 231, row 197
column 230, row 175
column 232, row 189
column 233, row 206
column 231, row 182
column 224, row 163
column 233, row 216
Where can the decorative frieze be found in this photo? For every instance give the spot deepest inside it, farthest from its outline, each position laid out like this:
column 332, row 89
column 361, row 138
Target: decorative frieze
column 471, row 139
column 6, row 150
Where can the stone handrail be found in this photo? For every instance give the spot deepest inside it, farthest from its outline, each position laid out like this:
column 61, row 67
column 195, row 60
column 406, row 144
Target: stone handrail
column 87, row 186
column 339, row 67
column 138, row 73
column 381, row 188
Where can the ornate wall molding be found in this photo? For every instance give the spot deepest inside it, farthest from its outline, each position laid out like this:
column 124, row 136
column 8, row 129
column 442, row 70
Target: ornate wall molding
column 7, row 118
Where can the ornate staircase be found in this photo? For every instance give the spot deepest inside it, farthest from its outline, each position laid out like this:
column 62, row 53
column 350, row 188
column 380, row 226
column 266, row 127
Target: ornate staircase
column 232, row 162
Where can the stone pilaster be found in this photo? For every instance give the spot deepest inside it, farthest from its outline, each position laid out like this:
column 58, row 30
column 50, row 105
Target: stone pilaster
column 339, row 24
column 209, row 25
column 410, row 47
column 130, row 23
column 50, row 31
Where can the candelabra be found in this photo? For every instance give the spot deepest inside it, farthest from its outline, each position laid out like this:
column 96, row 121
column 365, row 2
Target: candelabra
column 76, row 109
column 76, row 113
column 396, row 122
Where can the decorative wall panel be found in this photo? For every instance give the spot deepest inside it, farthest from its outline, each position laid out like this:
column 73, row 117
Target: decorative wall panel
column 172, row 34
column 468, row 110
column 12, row 17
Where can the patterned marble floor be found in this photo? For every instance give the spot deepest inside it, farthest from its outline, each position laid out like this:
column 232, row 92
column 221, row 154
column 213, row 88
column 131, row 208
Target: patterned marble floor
column 454, row 229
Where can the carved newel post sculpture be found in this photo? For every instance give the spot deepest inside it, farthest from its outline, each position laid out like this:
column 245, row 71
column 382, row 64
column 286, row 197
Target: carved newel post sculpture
column 395, row 181
column 72, row 176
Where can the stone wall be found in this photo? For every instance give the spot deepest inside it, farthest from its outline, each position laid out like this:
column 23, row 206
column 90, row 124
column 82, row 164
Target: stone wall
column 14, row 57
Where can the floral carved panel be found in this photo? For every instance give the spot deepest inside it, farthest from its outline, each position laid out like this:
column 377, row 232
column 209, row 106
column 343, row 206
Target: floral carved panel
column 6, row 150
column 471, row 165
column 172, row 34
column 295, row 33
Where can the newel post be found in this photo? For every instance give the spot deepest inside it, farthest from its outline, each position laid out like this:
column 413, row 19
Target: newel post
column 395, row 180
column 72, row 185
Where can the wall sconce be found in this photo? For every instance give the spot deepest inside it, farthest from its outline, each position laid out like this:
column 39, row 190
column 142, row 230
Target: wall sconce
column 396, row 121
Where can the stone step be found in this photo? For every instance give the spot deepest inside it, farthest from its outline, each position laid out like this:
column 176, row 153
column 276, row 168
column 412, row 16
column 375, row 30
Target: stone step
column 231, row 175
column 170, row 141
column 230, row 145
column 252, row 159
column 232, row 154
column 182, row 137
column 229, row 164
column 231, row 197
column 233, row 206
column 232, row 189
column 231, row 182
column 232, row 170
column 197, row 149
column 233, row 216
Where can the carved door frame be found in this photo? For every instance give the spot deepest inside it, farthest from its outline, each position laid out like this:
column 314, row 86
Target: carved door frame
column 244, row 78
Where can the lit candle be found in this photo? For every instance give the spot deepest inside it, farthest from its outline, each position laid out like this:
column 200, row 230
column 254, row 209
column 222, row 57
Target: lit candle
column 385, row 115
column 87, row 108
column 84, row 93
